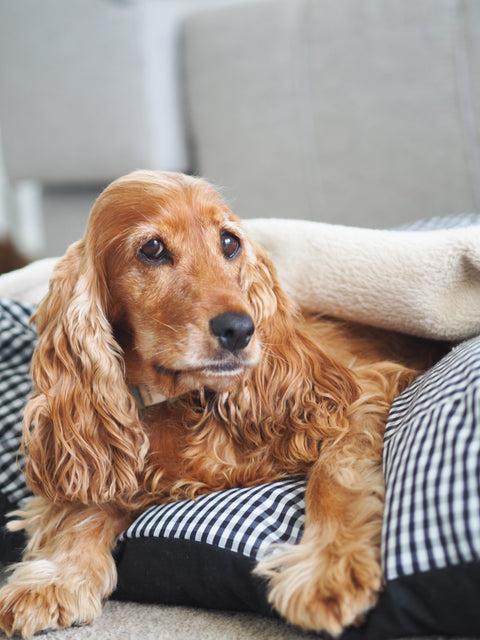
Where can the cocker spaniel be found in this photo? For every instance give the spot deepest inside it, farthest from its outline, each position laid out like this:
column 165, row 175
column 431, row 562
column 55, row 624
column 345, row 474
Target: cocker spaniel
column 167, row 299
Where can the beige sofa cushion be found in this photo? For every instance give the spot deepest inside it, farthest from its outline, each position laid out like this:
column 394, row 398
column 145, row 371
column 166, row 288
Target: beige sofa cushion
column 351, row 112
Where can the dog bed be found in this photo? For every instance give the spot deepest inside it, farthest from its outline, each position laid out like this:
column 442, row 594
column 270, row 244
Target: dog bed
column 202, row 553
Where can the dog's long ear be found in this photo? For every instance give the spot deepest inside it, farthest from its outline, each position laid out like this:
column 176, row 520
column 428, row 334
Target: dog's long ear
column 82, row 436
column 299, row 392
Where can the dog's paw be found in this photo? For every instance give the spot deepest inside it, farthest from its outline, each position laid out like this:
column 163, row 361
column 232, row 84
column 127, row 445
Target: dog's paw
column 322, row 588
column 28, row 609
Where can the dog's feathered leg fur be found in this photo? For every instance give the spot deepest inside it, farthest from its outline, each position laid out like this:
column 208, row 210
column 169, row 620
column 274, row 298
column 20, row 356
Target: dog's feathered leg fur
column 68, row 569
column 334, row 575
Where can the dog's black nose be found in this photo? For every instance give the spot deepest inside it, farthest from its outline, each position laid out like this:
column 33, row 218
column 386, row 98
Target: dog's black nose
column 233, row 330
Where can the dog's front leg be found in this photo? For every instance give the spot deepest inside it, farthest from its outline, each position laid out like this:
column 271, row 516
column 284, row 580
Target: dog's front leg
column 67, row 571
column 333, row 576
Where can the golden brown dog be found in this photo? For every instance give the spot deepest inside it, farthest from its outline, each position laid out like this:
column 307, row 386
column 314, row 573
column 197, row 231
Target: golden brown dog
column 167, row 294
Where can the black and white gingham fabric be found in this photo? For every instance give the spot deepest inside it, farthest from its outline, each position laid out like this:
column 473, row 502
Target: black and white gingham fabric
column 17, row 341
column 432, row 469
column 245, row 520
column 436, row 223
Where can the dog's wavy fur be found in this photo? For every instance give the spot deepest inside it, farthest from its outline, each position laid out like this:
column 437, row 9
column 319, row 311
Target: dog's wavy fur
column 303, row 396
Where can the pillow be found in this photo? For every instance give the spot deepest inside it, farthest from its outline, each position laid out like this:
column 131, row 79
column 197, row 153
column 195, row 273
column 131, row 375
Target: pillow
column 202, row 552
column 431, row 532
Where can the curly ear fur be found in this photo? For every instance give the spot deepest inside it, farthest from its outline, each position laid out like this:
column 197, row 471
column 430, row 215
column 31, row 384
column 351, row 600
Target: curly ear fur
column 274, row 415
column 293, row 415
column 82, row 436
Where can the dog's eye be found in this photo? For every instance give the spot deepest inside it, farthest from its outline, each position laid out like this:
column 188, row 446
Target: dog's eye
column 230, row 244
column 154, row 251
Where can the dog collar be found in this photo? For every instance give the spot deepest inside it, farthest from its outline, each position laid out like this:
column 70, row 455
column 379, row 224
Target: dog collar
column 146, row 396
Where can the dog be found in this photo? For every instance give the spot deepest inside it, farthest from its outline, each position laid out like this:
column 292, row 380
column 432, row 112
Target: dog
column 167, row 298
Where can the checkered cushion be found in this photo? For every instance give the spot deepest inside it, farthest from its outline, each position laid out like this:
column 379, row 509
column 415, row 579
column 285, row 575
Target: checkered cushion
column 431, row 533
column 246, row 521
column 202, row 552
column 17, row 341
column 432, row 469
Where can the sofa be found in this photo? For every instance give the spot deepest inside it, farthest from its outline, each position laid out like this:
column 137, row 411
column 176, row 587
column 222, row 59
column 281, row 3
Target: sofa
column 345, row 111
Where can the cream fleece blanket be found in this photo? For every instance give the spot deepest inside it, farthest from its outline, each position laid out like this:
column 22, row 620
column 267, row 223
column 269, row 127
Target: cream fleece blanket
column 422, row 282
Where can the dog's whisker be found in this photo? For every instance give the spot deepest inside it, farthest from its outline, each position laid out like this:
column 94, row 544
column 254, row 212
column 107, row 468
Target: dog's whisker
column 168, row 326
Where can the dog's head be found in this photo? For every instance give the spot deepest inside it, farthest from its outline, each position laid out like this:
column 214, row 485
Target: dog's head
column 174, row 260
column 165, row 290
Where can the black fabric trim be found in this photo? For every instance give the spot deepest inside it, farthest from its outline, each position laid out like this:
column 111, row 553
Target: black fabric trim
column 12, row 543
column 182, row 572
column 441, row 602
